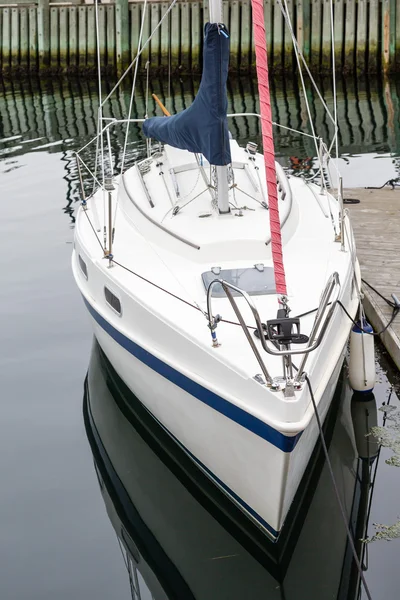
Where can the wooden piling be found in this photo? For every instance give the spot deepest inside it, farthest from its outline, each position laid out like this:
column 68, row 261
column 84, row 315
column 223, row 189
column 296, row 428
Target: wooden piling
column 165, row 35
column 82, row 37
column 102, row 36
column 110, row 37
column 91, row 43
column 316, row 30
column 288, row 42
column 73, row 37
column 349, row 37
column 339, row 34
column 43, row 14
column 373, row 38
column 326, row 38
column 175, row 37
column 276, row 59
column 307, row 18
column 54, row 37
column 122, row 34
column 245, row 36
column 397, row 36
column 197, row 33
column 62, row 36
column 15, row 38
column 268, row 19
column 33, row 39
column 185, row 36
column 361, row 47
column 235, row 35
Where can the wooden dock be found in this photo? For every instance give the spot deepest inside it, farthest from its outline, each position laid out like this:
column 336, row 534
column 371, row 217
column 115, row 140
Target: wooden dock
column 376, row 224
column 59, row 35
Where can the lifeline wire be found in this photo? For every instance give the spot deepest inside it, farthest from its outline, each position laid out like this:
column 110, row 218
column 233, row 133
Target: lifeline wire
column 328, row 462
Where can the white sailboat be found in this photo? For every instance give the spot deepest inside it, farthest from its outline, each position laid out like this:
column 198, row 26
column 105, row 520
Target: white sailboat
column 191, row 264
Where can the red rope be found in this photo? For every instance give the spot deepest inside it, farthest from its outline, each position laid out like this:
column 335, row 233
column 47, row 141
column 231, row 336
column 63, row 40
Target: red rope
column 268, row 143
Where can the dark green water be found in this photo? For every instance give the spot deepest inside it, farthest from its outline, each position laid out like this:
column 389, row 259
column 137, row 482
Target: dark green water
column 56, row 538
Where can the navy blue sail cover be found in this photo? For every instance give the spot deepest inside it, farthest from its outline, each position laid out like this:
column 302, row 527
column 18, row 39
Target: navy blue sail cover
column 203, row 127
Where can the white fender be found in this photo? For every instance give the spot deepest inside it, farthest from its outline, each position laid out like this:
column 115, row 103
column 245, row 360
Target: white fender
column 362, row 358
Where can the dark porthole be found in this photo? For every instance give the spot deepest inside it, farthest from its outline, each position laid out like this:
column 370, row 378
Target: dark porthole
column 112, row 300
column 83, row 266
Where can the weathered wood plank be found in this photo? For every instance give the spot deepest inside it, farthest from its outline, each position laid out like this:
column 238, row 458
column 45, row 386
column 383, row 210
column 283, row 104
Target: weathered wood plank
column 145, row 56
column 361, row 43
column 82, row 36
column 135, row 28
column 288, row 54
column 15, row 37
column 91, row 37
column 33, row 38
column 326, row 42
column 385, row 34
column 388, row 33
column 349, row 43
column 185, row 35
column 24, row 36
column 397, row 36
column 102, row 35
column 307, row 17
column 43, row 13
column 268, row 24
column 277, row 52
column 378, row 254
column 73, row 37
column 122, row 34
column 373, row 37
column 156, row 39
column 339, row 34
column 245, row 36
column 175, row 36
column 54, row 36
column 235, row 34
column 197, row 33
column 6, row 39
column 63, row 42
column 110, row 36
column 225, row 12
column 316, row 29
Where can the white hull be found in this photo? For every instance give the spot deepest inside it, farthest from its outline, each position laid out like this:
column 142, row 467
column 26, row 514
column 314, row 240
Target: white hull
column 253, row 442
column 257, row 465
column 232, row 455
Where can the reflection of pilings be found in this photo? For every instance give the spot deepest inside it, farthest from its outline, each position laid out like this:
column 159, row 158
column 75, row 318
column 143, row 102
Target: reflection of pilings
column 65, row 110
column 61, row 36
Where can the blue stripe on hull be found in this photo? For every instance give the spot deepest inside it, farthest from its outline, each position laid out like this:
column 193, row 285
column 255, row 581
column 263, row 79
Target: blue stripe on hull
column 236, row 414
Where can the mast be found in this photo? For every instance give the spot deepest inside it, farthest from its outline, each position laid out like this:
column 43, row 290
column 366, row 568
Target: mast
column 216, row 16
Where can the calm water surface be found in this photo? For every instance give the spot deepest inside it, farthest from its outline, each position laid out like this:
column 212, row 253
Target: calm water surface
column 57, row 540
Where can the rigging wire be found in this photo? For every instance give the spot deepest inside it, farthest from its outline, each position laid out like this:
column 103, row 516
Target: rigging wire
column 339, row 501
column 135, row 60
column 134, row 83
column 298, row 54
column 100, row 120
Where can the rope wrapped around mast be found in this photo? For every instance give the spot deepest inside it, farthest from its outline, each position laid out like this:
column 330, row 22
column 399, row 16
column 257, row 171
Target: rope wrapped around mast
column 268, row 143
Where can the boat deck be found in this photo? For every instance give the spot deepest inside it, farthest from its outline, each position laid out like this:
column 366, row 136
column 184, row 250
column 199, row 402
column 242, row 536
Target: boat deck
column 376, row 225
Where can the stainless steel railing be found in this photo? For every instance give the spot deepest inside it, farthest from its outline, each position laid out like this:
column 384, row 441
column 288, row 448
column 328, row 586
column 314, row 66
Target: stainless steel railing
column 323, row 317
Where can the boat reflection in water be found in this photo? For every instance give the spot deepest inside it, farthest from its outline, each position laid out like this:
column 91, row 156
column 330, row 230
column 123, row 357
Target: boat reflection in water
column 183, row 539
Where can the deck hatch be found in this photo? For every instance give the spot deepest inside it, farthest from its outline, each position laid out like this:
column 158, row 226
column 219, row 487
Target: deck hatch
column 255, row 281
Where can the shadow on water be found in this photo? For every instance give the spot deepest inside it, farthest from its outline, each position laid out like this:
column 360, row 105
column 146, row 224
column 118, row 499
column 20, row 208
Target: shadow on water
column 181, row 538
column 60, row 115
